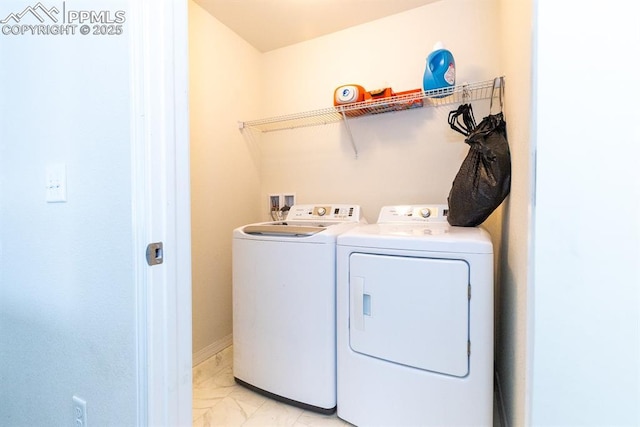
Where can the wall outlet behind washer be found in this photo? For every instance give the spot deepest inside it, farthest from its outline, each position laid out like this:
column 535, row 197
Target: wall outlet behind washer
column 275, row 202
column 278, row 201
column 288, row 199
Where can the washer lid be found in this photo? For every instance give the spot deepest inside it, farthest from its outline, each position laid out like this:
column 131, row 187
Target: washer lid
column 318, row 221
column 283, row 229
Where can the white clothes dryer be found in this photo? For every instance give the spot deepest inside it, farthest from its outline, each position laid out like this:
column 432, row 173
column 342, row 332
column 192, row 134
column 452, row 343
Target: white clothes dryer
column 284, row 280
column 415, row 321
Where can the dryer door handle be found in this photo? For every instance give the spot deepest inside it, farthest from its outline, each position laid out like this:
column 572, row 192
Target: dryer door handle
column 356, row 298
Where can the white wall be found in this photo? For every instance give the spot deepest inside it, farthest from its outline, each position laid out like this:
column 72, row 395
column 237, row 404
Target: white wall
column 67, row 291
column 225, row 86
column 586, row 301
column 513, row 284
column 407, row 157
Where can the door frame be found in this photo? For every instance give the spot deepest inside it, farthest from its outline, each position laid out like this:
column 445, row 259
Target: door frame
column 161, row 209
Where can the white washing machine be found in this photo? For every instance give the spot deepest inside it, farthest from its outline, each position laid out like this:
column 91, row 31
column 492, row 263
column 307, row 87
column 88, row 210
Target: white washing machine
column 284, row 280
column 415, row 321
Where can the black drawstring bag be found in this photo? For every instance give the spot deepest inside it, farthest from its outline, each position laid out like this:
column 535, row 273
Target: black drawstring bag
column 484, row 178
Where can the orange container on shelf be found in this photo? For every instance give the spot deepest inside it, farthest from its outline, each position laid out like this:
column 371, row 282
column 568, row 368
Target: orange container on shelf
column 374, row 95
column 379, row 95
column 348, row 94
column 414, row 99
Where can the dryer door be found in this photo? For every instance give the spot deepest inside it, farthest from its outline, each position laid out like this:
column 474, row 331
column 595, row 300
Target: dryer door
column 411, row 311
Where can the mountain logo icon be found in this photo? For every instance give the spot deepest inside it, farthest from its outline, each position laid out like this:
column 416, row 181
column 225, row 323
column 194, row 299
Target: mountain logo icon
column 39, row 11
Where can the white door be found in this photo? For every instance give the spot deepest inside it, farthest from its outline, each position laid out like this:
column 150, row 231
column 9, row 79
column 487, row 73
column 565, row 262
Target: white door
column 162, row 207
column 410, row 311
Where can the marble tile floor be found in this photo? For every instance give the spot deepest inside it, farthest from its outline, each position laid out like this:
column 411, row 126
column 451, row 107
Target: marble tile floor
column 219, row 401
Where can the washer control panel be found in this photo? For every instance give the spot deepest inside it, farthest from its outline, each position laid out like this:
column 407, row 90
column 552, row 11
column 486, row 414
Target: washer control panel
column 341, row 213
column 413, row 214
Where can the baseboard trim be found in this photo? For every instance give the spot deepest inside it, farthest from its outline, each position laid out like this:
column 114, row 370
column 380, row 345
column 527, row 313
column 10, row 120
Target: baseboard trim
column 213, row 348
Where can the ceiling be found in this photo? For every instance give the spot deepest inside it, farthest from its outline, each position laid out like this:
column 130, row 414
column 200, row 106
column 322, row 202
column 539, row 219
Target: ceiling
column 272, row 24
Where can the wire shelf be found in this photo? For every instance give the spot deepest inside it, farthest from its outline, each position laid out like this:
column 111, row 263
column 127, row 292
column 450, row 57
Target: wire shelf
column 431, row 98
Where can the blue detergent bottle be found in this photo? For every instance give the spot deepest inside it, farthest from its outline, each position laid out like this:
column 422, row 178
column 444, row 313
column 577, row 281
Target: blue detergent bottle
column 440, row 71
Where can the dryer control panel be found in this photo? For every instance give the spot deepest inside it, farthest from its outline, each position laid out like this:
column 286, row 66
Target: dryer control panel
column 413, row 214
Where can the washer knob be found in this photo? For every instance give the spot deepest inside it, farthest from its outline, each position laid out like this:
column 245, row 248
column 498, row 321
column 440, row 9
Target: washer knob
column 425, row 212
column 321, row 211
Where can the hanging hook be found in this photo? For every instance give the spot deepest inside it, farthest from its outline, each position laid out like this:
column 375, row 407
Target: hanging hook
column 466, row 93
column 498, row 83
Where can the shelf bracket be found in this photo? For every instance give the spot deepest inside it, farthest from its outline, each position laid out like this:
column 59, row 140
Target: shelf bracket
column 348, row 128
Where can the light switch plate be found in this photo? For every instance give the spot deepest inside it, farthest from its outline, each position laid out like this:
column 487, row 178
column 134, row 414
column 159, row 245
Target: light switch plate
column 56, row 184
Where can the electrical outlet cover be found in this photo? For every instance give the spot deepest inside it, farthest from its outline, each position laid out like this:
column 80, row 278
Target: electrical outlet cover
column 56, row 183
column 80, row 411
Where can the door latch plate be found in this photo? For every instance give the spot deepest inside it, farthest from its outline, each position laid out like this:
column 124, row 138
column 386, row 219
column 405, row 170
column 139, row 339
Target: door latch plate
column 154, row 253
